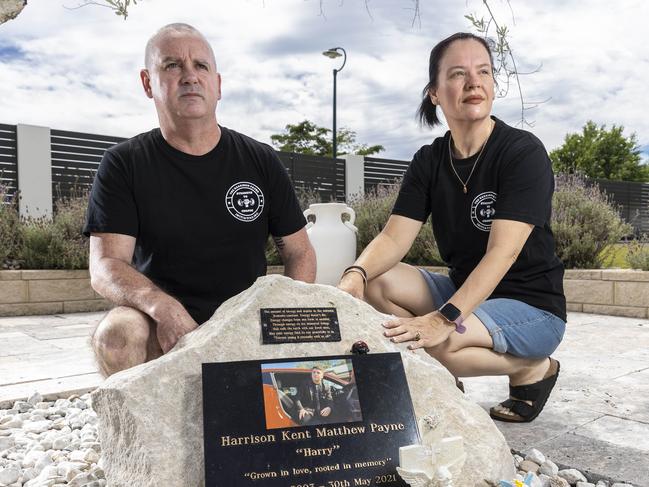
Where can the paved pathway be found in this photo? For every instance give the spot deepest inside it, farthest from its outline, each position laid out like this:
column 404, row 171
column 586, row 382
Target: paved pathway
column 597, row 419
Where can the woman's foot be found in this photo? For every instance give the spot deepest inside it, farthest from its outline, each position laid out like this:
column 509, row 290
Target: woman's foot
column 526, row 401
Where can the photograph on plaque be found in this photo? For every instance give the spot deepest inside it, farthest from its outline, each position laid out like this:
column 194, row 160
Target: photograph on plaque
column 310, row 393
column 254, row 435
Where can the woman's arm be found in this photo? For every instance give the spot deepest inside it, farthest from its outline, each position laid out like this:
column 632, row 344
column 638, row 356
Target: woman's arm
column 506, row 240
column 382, row 253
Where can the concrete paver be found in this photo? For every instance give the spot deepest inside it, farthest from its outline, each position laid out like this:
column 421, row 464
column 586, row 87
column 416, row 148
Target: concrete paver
column 597, row 419
column 601, row 398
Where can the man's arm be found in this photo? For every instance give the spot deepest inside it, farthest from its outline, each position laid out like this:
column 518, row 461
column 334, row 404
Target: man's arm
column 297, row 255
column 112, row 276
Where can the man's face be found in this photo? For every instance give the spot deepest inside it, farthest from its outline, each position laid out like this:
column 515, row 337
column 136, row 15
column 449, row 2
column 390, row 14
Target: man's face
column 316, row 376
column 182, row 77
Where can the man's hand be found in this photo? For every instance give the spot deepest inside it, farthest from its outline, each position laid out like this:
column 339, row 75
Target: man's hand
column 302, row 413
column 424, row 331
column 325, row 412
column 173, row 321
column 353, row 283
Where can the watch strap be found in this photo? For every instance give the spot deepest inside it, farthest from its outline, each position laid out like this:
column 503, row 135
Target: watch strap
column 453, row 315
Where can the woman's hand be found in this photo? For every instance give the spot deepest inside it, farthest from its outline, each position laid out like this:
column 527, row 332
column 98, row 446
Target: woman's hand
column 423, row 331
column 353, row 283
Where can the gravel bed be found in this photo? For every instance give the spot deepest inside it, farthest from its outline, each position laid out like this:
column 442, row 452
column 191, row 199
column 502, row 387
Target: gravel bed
column 54, row 444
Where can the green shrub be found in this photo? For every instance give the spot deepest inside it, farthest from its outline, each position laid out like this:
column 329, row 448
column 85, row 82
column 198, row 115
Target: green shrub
column 584, row 223
column 638, row 255
column 9, row 227
column 372, row 213
column 56, row 244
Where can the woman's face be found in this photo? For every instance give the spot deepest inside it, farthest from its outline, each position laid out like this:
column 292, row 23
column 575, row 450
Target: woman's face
column 465, row 84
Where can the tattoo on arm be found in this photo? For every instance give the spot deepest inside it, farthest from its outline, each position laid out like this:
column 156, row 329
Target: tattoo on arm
column 279, row 242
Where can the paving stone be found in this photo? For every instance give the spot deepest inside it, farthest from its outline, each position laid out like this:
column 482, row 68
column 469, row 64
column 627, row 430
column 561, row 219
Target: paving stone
column 599, row 457
column 620, row 432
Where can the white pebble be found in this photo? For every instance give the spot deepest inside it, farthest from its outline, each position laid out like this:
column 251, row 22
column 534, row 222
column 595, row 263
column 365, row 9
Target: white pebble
column 549, row 468
column 6, row 442
column 10, row 422
column 535, row 456
column 29, row 474
column 32, row 457
column 35, row 398
column 81, row 480
column 62, row 442
column 572, row 475
column 9, row 475
column 37, row 426
column 22, row 406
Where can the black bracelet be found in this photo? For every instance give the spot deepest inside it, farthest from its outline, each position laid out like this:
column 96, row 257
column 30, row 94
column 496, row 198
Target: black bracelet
column 356, row 271
column 359, row 268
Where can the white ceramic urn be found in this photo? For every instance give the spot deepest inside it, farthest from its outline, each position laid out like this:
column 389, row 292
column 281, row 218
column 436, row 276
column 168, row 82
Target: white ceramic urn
column 333, row 239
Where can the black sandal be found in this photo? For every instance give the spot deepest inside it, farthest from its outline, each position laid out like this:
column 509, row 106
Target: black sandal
column 537, row 392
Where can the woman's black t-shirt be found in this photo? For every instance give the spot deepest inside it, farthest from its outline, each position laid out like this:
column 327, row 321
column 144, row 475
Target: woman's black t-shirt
column 513, row 180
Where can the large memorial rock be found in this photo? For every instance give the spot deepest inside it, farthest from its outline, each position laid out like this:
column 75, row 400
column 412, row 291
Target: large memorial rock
column 151, row 428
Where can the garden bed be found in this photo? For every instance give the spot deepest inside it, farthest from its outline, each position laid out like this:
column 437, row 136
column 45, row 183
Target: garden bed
column 618, row 292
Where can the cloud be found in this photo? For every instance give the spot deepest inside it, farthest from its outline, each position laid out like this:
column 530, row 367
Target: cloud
column 78, row 69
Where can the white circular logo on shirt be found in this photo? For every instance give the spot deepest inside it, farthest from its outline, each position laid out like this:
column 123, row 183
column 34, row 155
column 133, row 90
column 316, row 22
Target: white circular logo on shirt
column 483, row 209
column 244, row 201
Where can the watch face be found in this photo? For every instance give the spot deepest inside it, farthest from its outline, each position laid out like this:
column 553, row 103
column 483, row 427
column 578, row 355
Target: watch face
column 450, row 312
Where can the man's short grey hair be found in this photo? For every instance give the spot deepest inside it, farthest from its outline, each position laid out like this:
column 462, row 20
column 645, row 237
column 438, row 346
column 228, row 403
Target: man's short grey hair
column 170, row 28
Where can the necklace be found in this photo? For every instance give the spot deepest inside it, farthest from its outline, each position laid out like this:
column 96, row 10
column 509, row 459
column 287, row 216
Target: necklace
column 450, row 157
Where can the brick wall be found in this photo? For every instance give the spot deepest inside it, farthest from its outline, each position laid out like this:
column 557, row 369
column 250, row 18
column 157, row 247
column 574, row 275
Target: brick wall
column 37, row 292
column 607, row 291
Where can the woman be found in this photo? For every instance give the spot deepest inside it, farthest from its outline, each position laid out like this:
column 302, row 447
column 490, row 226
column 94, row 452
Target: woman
column 488, row 188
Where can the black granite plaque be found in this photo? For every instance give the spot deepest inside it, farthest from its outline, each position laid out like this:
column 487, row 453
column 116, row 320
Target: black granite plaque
column 256, row 436
column 299, row 325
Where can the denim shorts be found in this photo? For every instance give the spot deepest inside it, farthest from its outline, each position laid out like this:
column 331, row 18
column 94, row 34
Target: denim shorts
column 516, row 328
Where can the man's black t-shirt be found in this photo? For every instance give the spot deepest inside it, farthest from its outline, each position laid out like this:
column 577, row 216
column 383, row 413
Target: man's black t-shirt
column 513, row 180
column 200, row 222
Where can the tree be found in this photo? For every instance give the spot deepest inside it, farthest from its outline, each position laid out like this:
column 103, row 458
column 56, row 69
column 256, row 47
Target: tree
column 307, row 138
column 600, row 153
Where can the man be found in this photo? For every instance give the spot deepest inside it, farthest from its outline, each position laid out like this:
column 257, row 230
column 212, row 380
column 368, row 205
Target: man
column 179, row 216
column 315, row 401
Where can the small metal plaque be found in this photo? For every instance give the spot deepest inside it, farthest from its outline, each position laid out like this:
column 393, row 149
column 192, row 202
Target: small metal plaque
column 299, row 325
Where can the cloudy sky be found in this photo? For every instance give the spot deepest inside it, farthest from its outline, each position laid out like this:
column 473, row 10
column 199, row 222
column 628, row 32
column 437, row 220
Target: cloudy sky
column 78, row 69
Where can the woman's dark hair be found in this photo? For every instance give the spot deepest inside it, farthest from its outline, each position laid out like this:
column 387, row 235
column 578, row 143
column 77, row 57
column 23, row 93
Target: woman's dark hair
column 427, row 112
